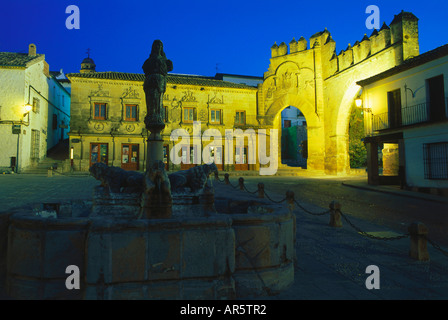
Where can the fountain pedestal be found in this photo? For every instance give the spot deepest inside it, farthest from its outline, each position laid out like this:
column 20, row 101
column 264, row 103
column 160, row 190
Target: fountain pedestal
column 156, row 197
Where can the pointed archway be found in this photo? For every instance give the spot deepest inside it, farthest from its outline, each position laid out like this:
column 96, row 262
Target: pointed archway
column 294, row 146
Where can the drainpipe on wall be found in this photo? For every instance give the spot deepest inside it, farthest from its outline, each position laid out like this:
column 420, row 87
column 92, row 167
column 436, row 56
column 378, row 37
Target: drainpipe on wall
column 80, row 156
column 18, row 148
column 144, row 150
column 113, row 146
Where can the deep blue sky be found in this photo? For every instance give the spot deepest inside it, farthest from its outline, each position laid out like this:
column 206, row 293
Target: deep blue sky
column 197, row 34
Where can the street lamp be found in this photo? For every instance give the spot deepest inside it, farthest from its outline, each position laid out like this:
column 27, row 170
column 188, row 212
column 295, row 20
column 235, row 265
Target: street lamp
column 28, row 107
column 71, row 159
column 358, row 102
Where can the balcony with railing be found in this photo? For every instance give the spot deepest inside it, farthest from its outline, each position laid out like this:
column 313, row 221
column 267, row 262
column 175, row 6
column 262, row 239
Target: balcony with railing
column 411, row 115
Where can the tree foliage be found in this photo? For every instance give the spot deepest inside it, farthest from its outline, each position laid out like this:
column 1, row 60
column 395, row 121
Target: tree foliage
column 357, row 149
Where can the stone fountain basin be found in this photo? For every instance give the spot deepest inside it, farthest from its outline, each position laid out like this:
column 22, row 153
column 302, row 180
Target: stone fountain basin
column 236, row 254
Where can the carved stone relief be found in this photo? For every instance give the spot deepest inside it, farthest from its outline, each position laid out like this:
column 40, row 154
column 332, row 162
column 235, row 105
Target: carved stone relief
column 99, row 126
column 175, row 114
column 188, row 96
column 100, row 92
column 203, row 115
column 216, row 99
column 130, row 127
column 130, row 93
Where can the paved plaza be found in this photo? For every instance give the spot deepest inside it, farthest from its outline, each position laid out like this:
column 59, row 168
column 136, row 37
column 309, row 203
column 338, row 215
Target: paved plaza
column 331, row 262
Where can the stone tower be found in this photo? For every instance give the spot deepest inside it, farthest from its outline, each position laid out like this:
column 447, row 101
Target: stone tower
column 404, row 28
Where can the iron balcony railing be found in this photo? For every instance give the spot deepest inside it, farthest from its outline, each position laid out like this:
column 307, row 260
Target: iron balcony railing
column 415, row 114
column 380, row 121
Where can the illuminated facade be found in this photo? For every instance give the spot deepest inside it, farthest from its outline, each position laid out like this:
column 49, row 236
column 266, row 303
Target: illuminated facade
column 25, row 79
column 108, row 107
column 407, row 133
column 322, row 84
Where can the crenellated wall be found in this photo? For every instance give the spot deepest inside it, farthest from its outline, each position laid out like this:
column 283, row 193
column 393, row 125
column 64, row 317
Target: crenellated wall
column 314, row 78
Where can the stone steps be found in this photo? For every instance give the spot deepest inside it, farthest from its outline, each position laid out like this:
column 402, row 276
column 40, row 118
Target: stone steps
column 43, row 166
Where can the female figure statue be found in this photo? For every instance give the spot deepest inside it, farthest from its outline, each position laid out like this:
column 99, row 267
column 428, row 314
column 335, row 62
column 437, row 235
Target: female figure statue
column 155, row 68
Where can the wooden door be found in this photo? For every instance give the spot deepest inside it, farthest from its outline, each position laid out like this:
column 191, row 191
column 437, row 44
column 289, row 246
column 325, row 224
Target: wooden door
column 130, row 156
column 99, row 152
column 394, row 105
column 219, row 158
column 436, row 99
column 241, row 159
column 188, row 157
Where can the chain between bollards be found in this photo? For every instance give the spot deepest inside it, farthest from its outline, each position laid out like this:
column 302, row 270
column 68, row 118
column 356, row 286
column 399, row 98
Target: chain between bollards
column 217, row 177
column 417, row 231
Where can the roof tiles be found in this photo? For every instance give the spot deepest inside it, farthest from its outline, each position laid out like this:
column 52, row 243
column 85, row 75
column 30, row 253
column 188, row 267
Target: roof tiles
column 171, row 78
column 13, row 59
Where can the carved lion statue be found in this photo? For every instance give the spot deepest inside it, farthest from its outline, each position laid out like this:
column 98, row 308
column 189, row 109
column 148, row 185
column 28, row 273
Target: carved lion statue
column 116, row 179
column 194, row 178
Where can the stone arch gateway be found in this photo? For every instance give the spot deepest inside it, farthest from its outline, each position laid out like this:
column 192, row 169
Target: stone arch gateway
column 322, row 84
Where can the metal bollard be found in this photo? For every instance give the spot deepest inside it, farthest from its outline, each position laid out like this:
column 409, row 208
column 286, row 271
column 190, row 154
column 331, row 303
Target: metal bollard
column 241, row 183
column 226, row 178
column 261, row 190
column 335, row 214
column 216, row 176
column 290, row 200
column 419, row 248
column 50, row 172
column 208, row 200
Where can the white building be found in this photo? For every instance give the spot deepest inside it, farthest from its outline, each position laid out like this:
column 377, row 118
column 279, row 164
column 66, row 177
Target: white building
column 59, row 108
column 292, row 117
column 406, row 109
column 252, row 81
column 33, row 106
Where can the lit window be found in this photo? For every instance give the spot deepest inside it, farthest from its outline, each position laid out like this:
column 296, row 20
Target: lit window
column 100, row 111
column 188, row 115
column 215, row 116
column 240, row 117
column 36, row 105
column 131, row 112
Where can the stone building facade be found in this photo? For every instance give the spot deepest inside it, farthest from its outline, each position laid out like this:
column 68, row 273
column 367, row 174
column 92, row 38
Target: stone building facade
column 108, row 109
column 321, row 83
column 309, row 75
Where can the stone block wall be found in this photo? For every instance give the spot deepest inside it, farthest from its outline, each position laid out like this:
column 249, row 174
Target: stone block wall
column 224, row 256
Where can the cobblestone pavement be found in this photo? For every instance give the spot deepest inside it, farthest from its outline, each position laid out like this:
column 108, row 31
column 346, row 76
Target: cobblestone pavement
column 331, row 262
column 21, row 189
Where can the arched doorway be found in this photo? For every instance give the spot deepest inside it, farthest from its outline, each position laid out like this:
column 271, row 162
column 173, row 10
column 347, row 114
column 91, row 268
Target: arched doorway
column 294, row 140
column 314, row 128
